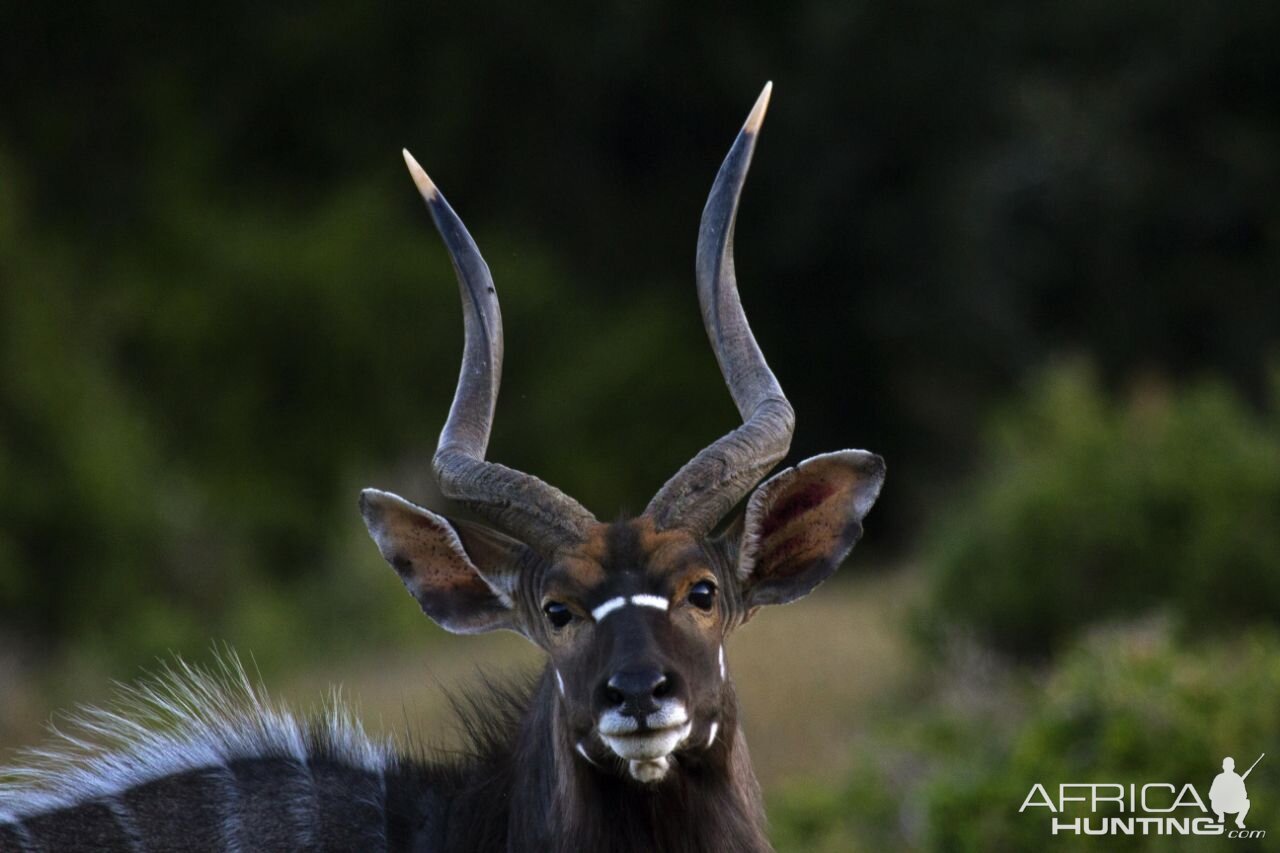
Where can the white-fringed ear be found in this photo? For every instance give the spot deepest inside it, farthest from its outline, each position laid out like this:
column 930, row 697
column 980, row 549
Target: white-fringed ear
column 463, row 575
column 800, row 524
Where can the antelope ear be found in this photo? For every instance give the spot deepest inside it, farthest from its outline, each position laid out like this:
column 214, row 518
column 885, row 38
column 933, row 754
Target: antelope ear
column 800, row 524
column 465, row 576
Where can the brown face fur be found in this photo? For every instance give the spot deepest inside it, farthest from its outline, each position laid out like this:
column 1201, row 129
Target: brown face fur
column 682, row 643
column 634, row 618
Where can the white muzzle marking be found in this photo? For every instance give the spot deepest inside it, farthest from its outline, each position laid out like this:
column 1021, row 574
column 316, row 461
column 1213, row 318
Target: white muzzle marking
column 616, row 723
column 668, row 728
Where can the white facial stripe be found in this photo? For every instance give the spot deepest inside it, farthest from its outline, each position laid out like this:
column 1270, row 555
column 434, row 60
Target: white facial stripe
column 560, row 681
column 608, row 607
column 643, row 600
column 711, row 738
column 722, row 662
column 583, row 752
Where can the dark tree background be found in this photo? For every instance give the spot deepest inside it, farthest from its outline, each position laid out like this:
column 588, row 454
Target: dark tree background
column 223, row 310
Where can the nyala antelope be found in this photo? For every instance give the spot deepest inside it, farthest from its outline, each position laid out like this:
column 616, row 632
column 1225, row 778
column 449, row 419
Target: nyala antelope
column 629, row 738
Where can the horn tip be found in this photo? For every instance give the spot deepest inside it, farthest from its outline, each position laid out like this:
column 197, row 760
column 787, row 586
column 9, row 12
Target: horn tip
column 756, row 118
column 424, row 184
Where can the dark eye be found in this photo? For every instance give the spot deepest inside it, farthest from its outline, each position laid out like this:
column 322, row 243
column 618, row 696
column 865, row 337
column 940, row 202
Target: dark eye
column 559, row 614
column 703, row 595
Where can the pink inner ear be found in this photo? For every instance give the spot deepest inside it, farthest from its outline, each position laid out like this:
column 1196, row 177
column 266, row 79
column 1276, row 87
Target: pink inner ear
column 781, row 556
column 796, row 503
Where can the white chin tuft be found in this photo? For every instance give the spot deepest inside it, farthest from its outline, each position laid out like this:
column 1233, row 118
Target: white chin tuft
column 649, row 771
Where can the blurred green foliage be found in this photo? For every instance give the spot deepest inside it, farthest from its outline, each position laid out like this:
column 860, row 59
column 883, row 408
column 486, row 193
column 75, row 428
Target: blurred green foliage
column 857, row 815
column 1124, row 705
column 222, row 310
column 1091, row 506
column 1132, row 708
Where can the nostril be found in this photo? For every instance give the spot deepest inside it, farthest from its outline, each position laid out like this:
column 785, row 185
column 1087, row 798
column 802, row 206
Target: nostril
column 637, row 691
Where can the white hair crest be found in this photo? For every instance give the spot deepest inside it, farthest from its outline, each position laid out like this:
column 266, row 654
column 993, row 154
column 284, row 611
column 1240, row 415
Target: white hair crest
column 186, row 718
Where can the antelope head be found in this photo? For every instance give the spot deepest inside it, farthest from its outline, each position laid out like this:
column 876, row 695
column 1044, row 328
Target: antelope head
column 633, row 615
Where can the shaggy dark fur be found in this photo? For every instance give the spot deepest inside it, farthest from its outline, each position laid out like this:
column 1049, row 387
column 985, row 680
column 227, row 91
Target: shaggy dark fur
column 517, row 785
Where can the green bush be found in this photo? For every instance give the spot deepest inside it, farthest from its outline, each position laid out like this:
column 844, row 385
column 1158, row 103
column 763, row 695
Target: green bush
column 814, row 817
column 947, row 770
column 1091, row 508
column 183, row 433
column 1125, row 707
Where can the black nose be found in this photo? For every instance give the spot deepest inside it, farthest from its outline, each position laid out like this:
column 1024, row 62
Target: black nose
column 637, row 691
